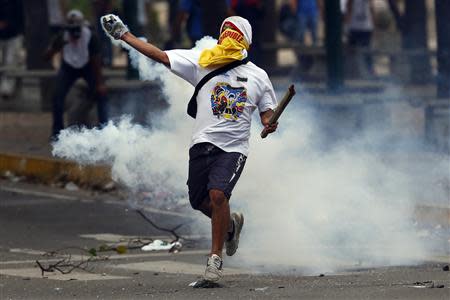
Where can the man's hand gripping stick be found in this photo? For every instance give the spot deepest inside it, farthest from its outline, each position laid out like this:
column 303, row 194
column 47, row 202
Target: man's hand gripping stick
column 280, row 108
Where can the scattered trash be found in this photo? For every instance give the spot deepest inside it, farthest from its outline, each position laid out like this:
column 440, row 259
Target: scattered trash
column 7, row 174
column 321, row 275
column 110, row 186
column 205, row 284
column 281, row 287
column 16, row 179
column 445, row 268
column 263, row 289
column 58, row 289
column 427, row 284
column 12, row 177
column 121, row 249
column 70, row 186
column 176, row 247
column 157, row 245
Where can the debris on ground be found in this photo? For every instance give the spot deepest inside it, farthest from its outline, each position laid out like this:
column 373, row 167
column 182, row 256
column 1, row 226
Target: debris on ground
column 205, row 284
column 172, row 231
column 70, row 186
column 427, row 284
column 110, row 186
column 445, row 268
column 263, row 289
column 12, row 177
column 158, row 245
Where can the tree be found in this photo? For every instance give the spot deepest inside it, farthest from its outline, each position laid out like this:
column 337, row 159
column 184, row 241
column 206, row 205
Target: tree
column 333, row 44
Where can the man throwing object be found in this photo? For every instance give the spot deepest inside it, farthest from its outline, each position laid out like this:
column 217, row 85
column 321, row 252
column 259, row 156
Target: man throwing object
column 222, row 107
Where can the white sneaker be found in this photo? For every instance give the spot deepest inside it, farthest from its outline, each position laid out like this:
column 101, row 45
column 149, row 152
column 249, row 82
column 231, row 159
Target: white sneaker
column 232, row 244
column 213, row 270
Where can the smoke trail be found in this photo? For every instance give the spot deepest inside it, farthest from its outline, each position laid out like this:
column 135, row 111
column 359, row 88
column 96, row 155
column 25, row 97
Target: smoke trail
column 306, row 207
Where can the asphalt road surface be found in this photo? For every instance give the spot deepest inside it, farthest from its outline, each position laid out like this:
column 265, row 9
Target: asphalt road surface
column 35, row 220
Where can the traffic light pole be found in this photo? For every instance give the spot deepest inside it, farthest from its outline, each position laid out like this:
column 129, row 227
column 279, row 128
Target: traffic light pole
column 333, row 45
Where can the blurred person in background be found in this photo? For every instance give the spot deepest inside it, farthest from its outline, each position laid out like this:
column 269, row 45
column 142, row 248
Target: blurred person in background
column 11, row 29
column 307, row 12
column 191, row 16
column 80, row 59
column 143, row 8
column 359, row 22
column 297, row 17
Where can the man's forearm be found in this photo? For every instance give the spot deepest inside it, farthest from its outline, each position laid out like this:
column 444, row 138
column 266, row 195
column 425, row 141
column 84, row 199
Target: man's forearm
column 265, row 116
column 147, row 49
column 48, row 54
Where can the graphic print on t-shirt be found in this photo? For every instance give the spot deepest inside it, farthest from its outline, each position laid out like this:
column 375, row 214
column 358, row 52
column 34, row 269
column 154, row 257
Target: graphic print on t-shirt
column 228, row 101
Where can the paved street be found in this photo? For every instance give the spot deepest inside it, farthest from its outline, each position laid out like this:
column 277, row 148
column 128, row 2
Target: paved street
column 36, row 219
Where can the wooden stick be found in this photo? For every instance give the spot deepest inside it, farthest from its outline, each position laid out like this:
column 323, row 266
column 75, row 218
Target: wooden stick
column 280, row 108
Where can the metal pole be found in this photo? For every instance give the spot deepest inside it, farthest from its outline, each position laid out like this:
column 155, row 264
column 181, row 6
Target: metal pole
column 333, row 45
column 443, row 42
column 415, row 37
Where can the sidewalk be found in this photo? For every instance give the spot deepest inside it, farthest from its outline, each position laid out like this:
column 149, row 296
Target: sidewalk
column 25, row 150
column 25, row 133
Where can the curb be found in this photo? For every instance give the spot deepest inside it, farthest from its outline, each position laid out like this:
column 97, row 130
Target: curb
column 50, row 170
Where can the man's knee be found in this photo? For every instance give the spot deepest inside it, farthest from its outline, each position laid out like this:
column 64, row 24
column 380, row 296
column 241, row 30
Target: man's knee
column 217, row 198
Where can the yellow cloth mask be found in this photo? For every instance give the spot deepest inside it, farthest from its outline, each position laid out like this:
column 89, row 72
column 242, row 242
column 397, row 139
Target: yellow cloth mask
column 230, row 47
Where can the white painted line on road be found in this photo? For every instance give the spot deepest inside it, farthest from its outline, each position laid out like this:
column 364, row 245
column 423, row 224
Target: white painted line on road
column 38, row 193
column 27, row 251
column 110, row 257
column 176, row 267
column 73, row 198
column 115, row 238
column 36, row 273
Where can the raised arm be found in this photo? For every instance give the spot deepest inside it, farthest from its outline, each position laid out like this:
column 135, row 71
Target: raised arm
column 114, row 27
column 145, row 48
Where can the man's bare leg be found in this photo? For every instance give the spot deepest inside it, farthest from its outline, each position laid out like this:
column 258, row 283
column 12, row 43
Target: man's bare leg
column 220, row 220
column 205, row 207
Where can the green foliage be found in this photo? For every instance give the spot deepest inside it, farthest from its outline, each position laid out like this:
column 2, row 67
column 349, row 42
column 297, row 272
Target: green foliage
column 93, row 252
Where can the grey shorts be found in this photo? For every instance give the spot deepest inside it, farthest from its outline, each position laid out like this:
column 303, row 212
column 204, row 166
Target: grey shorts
column 212, row 168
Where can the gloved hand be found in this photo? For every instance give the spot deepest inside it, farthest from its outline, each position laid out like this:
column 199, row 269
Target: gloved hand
column 113, row 26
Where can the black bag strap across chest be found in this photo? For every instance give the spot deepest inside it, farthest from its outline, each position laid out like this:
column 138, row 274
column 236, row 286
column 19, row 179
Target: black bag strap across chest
column 192, row 105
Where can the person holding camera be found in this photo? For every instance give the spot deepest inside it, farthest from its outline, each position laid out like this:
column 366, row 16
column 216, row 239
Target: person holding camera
column 80, row 53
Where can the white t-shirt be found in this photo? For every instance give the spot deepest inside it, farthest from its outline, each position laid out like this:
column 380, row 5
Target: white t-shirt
column 76, row 53
column 226, row 102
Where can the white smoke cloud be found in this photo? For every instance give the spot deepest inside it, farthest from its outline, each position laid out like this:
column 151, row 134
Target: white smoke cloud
column 306, row 207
